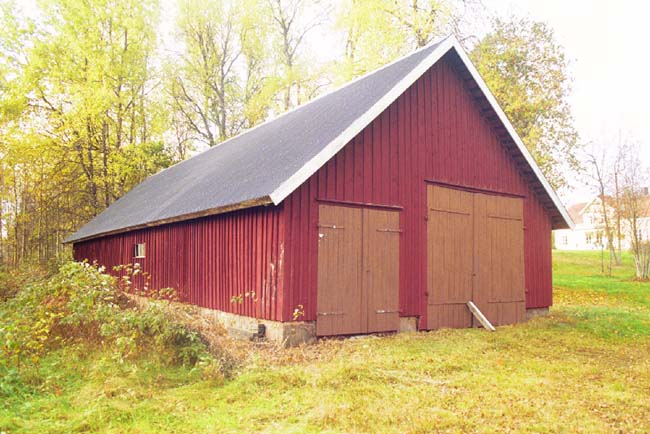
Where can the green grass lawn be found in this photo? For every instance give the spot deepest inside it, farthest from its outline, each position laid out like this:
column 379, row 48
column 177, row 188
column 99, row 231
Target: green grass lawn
column 585, row 368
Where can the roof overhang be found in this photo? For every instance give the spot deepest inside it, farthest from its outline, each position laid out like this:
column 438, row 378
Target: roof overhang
column 204, row 213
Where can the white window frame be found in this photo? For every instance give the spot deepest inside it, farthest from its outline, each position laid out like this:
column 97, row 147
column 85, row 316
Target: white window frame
column 139, row 250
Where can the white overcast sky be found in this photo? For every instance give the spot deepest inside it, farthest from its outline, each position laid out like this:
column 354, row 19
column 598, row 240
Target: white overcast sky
column 607, row 43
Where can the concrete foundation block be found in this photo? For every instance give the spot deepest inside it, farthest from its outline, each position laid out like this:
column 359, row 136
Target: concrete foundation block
column 536, row 312
column 408, row 324
column 290, row 334
column 287, row 334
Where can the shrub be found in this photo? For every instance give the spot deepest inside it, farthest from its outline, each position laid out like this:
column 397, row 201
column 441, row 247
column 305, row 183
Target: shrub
column 12, row 280
column 83, row 304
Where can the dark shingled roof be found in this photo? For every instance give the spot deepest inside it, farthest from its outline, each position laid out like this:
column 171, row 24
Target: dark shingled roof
column 266, row 163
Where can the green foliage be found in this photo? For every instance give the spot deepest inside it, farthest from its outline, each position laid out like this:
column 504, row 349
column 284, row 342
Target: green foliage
column 81, row 122
column 83, row 305
column 527, row 71
column 379, row 31
column 220, row 85
column 13, row 279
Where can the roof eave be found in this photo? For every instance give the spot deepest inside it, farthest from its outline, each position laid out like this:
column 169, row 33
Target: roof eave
column 266, row 200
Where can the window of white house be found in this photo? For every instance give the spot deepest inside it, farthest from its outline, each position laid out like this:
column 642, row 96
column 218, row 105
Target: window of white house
column 589, row 238
column 138, row 250
column 565, row 240
column 599, row 239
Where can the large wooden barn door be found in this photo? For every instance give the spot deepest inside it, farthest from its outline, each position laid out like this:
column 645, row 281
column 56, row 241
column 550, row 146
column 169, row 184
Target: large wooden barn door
column 358, row 271
column 475, row 252
column 500, row 287
column 449, row 255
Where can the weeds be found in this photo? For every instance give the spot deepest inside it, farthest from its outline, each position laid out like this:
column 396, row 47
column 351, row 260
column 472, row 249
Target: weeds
column 83, row 307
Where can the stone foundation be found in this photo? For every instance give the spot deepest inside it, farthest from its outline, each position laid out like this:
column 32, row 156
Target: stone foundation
column 408, row 324
column 287, row 334
column 536, row 312
column 293, row 333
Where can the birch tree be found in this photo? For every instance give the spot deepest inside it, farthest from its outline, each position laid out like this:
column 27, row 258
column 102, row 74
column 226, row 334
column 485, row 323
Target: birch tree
column 379, row 31
column 635, row 206
column 221, row 85
column 291, row 23
column 600, row 176
column 81, row 121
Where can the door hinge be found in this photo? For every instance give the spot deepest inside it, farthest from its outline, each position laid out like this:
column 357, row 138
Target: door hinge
column 398, row 231
column 330, row 227
column 449, row 211
column 330, row 313
column 387, row 311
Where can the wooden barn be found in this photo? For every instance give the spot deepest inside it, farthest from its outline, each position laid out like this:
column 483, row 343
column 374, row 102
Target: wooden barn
column 385, row 205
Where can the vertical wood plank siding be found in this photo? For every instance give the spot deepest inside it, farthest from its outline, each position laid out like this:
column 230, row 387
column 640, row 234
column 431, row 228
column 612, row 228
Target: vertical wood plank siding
column 208, row 260
column 435, row 131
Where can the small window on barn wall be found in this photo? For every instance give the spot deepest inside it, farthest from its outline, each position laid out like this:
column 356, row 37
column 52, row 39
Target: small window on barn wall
column 138, row 250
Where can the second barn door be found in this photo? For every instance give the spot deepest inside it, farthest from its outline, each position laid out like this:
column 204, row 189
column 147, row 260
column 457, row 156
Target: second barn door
column 499, row 288
column 358, row 270
column 475, row 252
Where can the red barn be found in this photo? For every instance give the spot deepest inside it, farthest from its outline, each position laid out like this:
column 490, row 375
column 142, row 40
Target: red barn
column 385, row 205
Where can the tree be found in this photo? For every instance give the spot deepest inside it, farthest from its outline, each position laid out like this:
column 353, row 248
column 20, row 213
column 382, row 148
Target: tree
column 526, row 70
column 221, row 85
column 80, row 121
column 634, row 205
column 291, row 22
column 378, row 31
column 600, row 177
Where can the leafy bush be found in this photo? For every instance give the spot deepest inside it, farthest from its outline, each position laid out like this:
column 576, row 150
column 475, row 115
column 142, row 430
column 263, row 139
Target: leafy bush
column 82, row 304
column 12, row 280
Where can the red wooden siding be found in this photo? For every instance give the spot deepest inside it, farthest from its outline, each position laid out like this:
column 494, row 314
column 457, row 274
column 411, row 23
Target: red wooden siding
column 208, row 260
column 435, row 131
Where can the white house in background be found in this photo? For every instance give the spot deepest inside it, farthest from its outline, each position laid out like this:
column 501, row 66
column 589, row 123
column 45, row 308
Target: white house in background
column 589, row 231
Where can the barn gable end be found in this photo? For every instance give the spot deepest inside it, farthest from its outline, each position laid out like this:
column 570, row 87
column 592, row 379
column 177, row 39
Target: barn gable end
column 434, row 133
